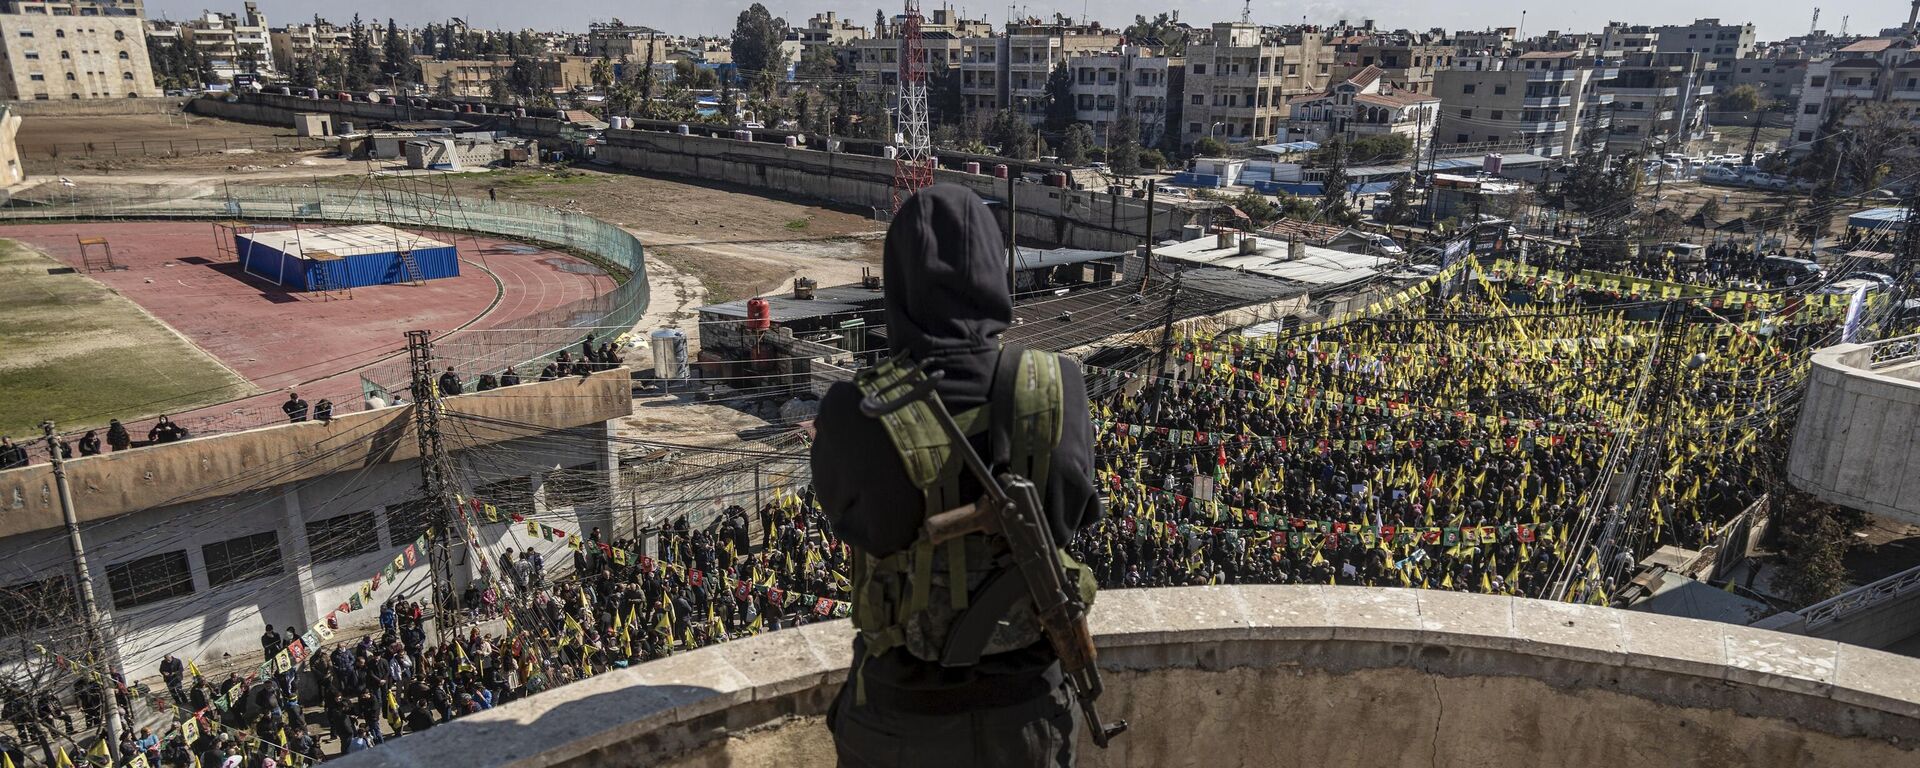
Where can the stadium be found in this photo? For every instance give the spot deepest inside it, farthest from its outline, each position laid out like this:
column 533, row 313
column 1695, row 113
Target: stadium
column 266, row 291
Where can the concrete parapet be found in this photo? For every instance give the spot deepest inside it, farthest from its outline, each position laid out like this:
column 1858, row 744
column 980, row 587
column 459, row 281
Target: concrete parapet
column 1857, row 443
column 1324, row 676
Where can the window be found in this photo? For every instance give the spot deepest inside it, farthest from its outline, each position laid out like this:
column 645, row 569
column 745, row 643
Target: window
column 70, row 76
column 41, row 97
column 126, row 75
column 35, row 604
column 1199, row 69
column 1193, row 127
column 1460, row 138
column 1810, row 109
column 341, row 537
column 511, row 496
column 59, row 33
column 1498, row 114
column 119, row 35
column 1806, row 136
column 124, row 56
column 26, row 33
column 573, row 486
column 150, row 579
column 1466, row 113
column 1467, row 88
column 66, row 55
column 243, row 558
column 1199, row 100
column 1817, row 81
column 407, row 520
column 1499, row 90
column 32, row 55
column 37, row 77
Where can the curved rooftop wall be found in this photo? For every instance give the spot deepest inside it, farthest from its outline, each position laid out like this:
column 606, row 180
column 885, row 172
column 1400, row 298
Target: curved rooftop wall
column 1287, row 675
column 1858, row 440
column 407, row 205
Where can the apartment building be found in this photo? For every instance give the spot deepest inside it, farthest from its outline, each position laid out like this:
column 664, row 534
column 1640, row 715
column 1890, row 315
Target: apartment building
column 623, row 42
column 1010, row 71
column 232, row 44
column 474, row 78
column 320, row 38
column 1777, row 80
column 1241, row 77
column 1406, row 61
column 876, row 61
column 823, row 30
column 1720, row 45
column 1541, row 101
column 45, row 56
column 1134, row 81
column 76, row 7
column 1620, row 39
column 1660, row 102
column 1875, row 70
column 1364, row 104
column 1492, row 40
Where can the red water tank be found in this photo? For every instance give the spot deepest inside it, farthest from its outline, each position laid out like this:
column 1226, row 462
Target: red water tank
column 343, row 96
column 973, row 167
column 1000, row 171
column 1057, row 179
column 759, row 314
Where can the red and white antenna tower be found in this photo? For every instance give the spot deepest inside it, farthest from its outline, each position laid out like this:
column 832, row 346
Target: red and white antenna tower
column 913, row 161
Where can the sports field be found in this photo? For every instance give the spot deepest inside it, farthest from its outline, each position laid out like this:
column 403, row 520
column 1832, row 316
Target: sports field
column 75, row 351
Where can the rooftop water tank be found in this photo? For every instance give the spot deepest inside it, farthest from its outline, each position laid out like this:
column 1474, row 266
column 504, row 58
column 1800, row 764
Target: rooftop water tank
column 803, row 288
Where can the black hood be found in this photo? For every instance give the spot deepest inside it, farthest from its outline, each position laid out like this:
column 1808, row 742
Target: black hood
column 946, row 274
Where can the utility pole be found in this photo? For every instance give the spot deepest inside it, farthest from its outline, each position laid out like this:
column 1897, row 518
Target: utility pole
column 1146, row 260
column 433, row 478
column 1013, row 229
column 1166, row 349
column 1753, row 137
column 83, row 578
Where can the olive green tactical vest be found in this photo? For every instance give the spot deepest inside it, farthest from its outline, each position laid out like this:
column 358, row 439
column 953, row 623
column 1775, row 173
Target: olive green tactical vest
column 909, row 599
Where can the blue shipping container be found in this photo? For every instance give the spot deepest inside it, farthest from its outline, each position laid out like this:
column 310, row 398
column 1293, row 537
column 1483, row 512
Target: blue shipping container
column 278, row 258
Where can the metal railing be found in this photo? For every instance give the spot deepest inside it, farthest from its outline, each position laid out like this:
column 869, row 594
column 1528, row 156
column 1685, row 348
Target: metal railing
column 74, row 150
column 1898, row 350
column 530, row 338
column 1854, row 601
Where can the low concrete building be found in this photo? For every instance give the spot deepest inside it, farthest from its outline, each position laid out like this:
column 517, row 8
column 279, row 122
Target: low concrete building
column 313, row 124
column 194, row 546
column 11, row 171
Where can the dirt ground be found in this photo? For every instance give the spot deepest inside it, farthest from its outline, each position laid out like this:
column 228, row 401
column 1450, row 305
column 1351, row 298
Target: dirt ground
column 38, row 133
column 736, row 243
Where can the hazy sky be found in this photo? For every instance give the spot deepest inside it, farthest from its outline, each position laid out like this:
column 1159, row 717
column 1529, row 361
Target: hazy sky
column 1774, row 18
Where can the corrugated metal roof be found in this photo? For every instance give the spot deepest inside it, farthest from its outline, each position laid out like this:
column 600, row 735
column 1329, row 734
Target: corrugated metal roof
column 1037, row 258
column 354, row 240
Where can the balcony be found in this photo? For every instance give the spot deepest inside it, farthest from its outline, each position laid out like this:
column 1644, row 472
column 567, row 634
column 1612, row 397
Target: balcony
column 1545, row 102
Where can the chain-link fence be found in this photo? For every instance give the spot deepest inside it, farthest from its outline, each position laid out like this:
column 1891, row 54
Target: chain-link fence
column 406, row 204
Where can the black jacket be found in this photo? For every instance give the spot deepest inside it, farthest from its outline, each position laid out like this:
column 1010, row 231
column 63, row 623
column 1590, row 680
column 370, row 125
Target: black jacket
column 946, row 303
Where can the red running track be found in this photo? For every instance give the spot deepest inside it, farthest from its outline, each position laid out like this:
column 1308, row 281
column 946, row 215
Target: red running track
column 279, row 339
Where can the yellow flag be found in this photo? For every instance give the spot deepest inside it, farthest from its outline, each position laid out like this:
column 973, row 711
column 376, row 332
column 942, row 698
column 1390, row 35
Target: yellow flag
column 60, row 759
column 99, row 750
column 6, row 761
column 192, row 668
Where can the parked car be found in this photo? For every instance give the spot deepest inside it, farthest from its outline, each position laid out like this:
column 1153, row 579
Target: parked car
column 1786, row 270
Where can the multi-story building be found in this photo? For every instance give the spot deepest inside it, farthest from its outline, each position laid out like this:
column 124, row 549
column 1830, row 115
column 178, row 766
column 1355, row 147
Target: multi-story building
column 1875, row 70
column 622, row 42
column 475, row 78
column 1659, row 102
column 60, row 56
column 1541, row 101
column 1010, row 71
column 1777, row 80
column 1365, row 105
column 1620, row 39
column 232, row 44
column 824, row 29
column 1491, row 41
column 1406, row 60
column 320, row 38
column 76, row 7
column 1133, row 81
column 876, row 61
column 1720, row 45
column 1240, row 78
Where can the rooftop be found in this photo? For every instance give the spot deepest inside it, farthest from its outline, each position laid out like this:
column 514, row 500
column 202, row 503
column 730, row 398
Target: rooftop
column 351, row 240
column 1318, row 267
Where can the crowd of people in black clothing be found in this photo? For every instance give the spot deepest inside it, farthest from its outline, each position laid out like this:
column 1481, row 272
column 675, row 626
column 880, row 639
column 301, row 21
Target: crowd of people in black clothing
column 544, row 626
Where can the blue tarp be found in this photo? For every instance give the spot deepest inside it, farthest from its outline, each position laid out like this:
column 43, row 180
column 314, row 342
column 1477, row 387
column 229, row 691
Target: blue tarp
column 1289, row 147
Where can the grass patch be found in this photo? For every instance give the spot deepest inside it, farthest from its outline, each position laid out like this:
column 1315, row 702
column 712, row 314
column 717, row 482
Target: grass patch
column 799, row 224
column 74, row 351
